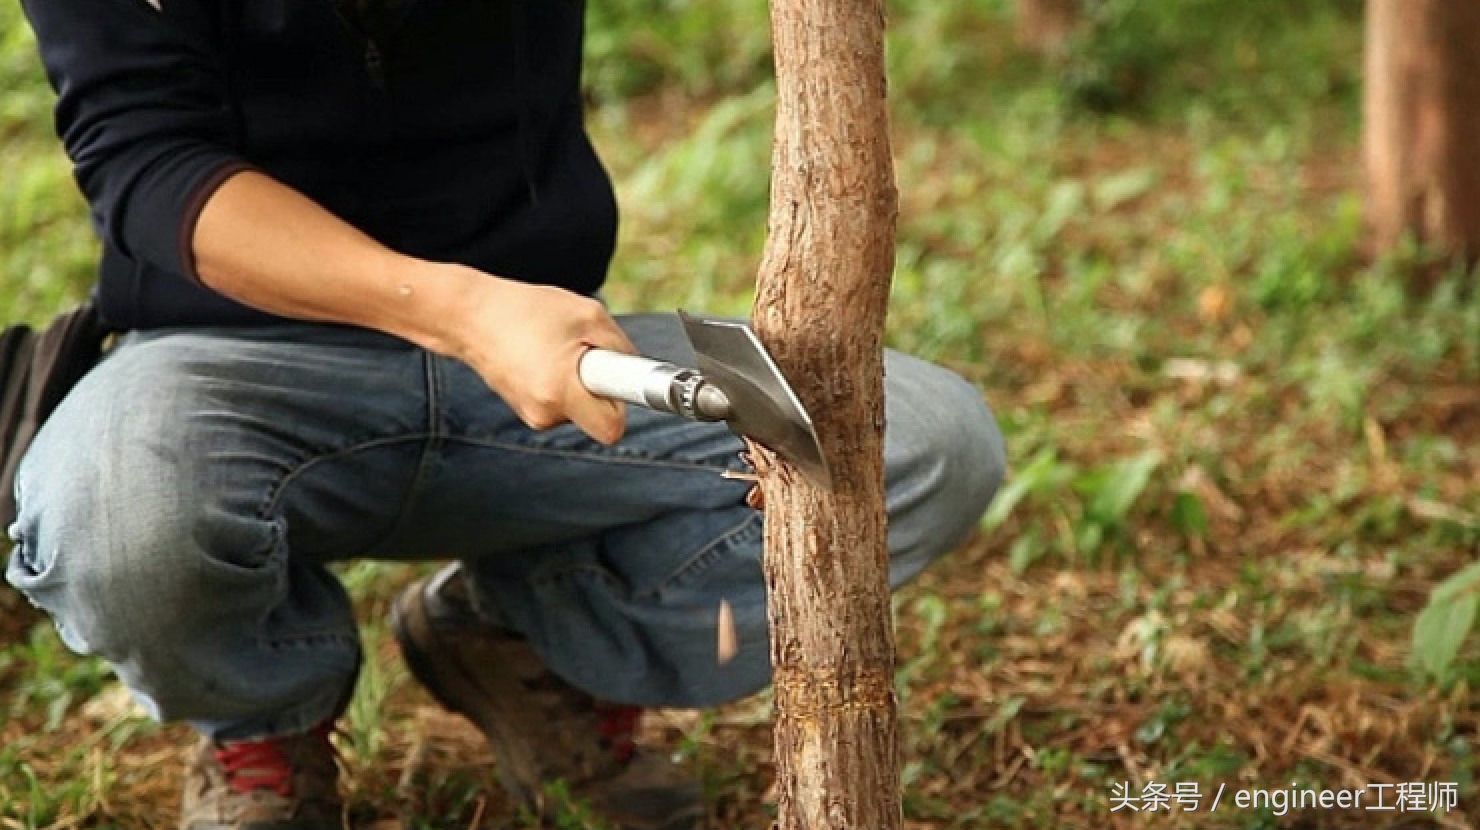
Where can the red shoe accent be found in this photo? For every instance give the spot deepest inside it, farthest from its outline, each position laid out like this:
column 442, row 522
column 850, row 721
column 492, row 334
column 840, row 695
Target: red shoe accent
column 255, row 766
column 619, row 729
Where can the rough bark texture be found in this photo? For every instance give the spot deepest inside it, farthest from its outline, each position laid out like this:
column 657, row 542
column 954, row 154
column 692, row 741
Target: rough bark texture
column 1045, row 25
column 820, row 304
column 1421, row 126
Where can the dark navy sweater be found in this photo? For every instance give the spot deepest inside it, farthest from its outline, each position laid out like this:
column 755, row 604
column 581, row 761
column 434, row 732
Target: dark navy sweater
column 456, row 136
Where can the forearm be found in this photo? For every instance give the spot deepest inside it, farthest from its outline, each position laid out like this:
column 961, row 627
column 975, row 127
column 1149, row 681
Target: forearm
column 267, row 246
column 264, row 244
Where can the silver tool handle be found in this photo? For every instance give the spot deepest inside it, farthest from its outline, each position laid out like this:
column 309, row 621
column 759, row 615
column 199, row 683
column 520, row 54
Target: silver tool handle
column 654, row 384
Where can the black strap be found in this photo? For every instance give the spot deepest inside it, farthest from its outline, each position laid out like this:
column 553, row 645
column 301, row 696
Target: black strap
column 37, row 370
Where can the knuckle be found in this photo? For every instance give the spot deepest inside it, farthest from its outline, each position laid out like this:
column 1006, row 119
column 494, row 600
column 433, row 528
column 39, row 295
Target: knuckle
column 546, row 389
column 591, row 311
column 540, row 410
column 546, row 398
column 539, row 417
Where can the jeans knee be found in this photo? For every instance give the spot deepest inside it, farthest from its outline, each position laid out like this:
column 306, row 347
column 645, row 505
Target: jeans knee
column 971, row 452
column 192, row 627
column 985, row 449
column 120, row 559
column 945, row 460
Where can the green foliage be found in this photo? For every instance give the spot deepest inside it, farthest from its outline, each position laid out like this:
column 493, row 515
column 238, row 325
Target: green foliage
column 570, row 813
column 1132, row 56
column 1189, row 516
column 1097, row 501
column 53, row 680
column 1443, row 625
column 25, row 99
column 1119, row 50
column 364, row 719
column 1043, row 475
column 703, row 47
column 1111, row 492
column 47, row 250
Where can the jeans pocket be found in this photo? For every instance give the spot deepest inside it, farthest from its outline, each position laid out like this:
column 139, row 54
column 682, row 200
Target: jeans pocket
column 728, row 567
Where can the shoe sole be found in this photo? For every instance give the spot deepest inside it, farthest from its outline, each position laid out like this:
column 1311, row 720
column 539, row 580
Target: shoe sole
column 451, row 686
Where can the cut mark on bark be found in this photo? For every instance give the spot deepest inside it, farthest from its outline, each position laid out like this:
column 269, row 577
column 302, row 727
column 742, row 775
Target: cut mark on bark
column 804, row 693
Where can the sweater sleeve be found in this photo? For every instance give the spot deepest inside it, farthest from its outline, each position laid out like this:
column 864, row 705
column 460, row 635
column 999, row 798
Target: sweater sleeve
column 142, row 111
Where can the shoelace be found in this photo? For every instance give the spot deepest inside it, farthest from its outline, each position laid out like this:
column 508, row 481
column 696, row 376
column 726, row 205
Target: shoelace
column 619, row 729
column 264, row 765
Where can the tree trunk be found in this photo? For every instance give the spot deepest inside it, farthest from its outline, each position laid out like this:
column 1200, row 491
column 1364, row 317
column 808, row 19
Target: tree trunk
column 1420, row 123
column 1045, row 25
column 820, row 302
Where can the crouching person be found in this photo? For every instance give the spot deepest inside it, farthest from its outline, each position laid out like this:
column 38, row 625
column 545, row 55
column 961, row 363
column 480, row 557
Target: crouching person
column 353, row 247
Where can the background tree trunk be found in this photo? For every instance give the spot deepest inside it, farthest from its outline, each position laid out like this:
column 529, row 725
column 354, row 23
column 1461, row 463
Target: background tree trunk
column 1421, row 125
column 820, row 303
column 1045, row 25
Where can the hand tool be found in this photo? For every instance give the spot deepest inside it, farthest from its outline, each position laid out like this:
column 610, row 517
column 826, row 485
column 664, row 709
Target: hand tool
column 736, row 382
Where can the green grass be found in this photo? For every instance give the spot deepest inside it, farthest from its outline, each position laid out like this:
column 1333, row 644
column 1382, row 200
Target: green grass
column 46, row 243
column 1242, row 449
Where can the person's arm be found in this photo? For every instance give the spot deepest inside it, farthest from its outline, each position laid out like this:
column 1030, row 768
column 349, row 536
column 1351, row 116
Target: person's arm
column 268, row 246
column 142, row 112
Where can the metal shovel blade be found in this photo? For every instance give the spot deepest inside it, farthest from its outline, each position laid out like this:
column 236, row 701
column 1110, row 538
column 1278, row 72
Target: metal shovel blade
column 765, row 408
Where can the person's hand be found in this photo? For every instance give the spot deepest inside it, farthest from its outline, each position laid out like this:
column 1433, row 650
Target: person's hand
column 526, row 341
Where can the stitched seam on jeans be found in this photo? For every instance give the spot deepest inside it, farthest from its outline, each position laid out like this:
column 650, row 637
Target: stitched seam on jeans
column 704, row 558
column 551, row 576
column 264, row 557
column 630, row 459
column 275, row 564
column 277, row 561
column 313, row 639
column 270, row 500
column 432, row 442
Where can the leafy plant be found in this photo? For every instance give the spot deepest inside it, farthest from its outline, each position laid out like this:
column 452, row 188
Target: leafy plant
column 1097, row 501
column 1443, row 625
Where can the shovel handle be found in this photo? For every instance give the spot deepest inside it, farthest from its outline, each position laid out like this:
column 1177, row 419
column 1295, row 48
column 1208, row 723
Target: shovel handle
column 654, row 384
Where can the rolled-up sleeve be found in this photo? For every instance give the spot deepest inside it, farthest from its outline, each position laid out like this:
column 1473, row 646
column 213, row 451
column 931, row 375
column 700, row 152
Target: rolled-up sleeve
column 142, row 110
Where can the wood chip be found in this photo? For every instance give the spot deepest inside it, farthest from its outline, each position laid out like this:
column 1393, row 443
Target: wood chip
column 729, row 643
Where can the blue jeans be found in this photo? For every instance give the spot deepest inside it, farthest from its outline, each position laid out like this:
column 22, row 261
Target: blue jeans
column 179, row 511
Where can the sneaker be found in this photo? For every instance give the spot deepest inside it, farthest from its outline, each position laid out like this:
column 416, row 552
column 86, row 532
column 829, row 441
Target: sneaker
column 548, row 737
column 287, row 783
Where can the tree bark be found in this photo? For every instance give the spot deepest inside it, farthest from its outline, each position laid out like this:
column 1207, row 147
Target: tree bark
column 820, row 303
column 1421, row 127
column 1046, row 25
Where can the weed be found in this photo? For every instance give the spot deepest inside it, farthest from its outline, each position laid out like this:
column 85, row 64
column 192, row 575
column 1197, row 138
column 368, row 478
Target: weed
column 53, row 681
